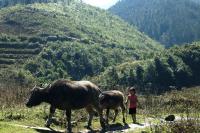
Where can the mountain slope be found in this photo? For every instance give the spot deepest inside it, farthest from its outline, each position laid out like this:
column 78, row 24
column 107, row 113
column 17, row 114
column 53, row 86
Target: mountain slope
column 7, row 3
column 75, row 20
column 167, row 21
column 76, row 40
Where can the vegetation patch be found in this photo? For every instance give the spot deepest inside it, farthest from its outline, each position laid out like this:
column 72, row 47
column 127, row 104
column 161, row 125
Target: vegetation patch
column 175, row 68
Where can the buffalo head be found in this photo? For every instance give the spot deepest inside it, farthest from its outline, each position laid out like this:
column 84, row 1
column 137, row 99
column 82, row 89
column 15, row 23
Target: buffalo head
column 36, row 97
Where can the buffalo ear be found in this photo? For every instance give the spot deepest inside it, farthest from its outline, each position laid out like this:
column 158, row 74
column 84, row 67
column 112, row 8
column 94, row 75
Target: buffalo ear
column 34, row 87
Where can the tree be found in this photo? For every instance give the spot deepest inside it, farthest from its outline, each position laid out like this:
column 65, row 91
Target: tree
column 114, row 80
column 140, row 76
column 131, row 78
column 164, row 75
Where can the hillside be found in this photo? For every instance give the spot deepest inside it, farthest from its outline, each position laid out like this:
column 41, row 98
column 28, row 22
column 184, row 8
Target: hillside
column 167, row 21
column 83, row 39
column 7, row 3
column 172, row 69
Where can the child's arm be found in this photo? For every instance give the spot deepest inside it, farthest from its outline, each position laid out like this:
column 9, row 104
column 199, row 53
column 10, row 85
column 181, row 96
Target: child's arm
column 127, row 100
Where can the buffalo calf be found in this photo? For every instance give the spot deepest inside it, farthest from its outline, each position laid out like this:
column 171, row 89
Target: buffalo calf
column 112, row 100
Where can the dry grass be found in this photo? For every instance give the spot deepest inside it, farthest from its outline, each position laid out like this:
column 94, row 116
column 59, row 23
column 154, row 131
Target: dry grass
column 174, row 102
column 181, row 126
column 12, row 95
column 184, row 104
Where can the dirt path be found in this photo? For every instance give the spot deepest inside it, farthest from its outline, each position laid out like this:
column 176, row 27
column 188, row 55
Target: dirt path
column 39, row 129
column 113, row 128
column 118, row 127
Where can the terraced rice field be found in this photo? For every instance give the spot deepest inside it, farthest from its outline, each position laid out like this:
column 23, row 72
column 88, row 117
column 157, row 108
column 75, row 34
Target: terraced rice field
column 12, row 53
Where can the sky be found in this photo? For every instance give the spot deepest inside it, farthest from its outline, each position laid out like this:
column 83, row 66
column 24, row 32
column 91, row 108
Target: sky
column 105, row 4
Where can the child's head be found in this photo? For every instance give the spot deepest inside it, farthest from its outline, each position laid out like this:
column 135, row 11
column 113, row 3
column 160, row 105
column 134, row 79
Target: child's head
column 132, row 91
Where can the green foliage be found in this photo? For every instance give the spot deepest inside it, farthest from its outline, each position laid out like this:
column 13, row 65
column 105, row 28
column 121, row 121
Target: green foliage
column 75, row 60
column 167, row 21
column 174, row 68
column 78, row 40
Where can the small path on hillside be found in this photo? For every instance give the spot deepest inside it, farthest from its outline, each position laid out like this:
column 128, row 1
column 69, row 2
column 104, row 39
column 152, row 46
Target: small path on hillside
column 118, row 127
column 112, row 128
column 40, row 129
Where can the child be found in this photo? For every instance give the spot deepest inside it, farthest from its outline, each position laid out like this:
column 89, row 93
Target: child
column 132, row 98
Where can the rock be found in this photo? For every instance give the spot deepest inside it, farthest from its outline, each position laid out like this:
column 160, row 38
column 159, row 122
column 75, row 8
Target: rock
column 170, row 118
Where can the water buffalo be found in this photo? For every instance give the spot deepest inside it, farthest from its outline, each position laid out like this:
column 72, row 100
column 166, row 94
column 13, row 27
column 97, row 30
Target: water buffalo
column 112, row 99
column 68, row 95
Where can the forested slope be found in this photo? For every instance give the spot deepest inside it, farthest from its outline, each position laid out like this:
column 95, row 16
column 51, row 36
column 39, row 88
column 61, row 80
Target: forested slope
column 175, row 68
column 167, row 21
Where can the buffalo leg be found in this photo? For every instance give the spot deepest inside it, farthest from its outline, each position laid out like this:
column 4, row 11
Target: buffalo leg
column 49, row 120
column 116, row 113
column 107, row 115
column 100, row 112
column 91, row 112
column 123, row 112
column 68, row 114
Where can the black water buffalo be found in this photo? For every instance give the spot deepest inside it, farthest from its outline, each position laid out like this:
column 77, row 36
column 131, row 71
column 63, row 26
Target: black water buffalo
column 112, row 100
column 68, row 95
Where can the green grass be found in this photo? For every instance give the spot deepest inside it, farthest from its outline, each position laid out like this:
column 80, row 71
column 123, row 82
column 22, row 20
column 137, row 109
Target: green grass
column 6, row 127
column 151, row 109
column 36, row 117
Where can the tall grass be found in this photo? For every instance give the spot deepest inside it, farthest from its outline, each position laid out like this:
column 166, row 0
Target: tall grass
column 12, row 94
column 181, row 126
column 177, row 102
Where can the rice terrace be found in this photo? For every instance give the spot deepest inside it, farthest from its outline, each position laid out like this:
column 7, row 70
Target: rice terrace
column 82, row 66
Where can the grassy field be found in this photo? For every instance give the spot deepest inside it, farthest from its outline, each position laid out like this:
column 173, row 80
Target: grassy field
column 152, row 109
